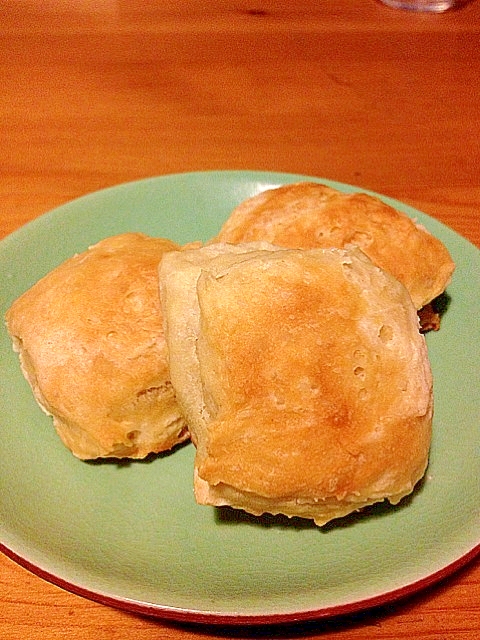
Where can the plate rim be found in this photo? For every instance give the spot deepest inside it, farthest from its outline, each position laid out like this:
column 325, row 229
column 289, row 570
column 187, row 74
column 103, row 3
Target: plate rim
column 184, row 614
column 279, row 176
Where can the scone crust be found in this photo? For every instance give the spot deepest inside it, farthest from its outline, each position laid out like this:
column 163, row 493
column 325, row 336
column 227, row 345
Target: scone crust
column 314, row 391
column 309, row 215
column 91, row 344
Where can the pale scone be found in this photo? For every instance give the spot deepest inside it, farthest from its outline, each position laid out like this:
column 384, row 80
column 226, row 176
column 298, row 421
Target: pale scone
column 308, row 215
column 302, row 375
column 90, row 339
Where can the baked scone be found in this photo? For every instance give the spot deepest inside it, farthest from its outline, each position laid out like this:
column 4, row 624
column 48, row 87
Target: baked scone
column 309, row 215
column 303, row 377
column 90, row 340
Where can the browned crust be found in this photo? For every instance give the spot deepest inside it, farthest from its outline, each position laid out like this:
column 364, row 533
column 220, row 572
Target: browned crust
column 91, row 344
column 308, row 215
column 319, row 401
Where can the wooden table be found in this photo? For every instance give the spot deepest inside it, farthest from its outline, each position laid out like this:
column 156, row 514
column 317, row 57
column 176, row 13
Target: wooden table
column 98, row 93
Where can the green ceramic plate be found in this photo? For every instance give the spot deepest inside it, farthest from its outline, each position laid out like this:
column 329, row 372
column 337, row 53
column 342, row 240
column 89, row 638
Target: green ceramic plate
column 131, row 535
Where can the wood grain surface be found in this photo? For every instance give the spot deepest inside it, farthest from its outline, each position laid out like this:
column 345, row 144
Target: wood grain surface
column 95, row 93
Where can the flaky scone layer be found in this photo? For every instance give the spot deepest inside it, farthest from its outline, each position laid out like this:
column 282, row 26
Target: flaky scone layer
column 309, row 215
column 303, row 377
column 90, row 339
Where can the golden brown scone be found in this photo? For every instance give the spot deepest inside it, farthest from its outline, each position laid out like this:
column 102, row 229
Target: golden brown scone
column 309, row 215
column 91, row 344
column 303, row 377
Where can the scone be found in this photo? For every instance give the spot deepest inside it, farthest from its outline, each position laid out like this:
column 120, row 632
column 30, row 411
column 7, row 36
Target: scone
column 303, row 377
column 309, row 215
column 90, row 339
